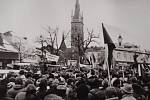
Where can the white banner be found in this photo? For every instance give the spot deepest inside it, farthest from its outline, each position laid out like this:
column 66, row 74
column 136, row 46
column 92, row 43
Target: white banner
column 72, row 62
column 51, row 57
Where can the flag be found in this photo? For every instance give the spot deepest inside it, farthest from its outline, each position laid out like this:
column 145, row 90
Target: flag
column 110, row 46
column 63, row 46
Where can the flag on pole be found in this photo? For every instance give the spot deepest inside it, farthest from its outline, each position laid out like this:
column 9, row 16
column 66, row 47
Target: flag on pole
column 109, row 47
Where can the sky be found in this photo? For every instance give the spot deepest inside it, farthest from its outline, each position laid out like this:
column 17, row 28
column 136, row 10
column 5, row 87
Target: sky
column 130, row 18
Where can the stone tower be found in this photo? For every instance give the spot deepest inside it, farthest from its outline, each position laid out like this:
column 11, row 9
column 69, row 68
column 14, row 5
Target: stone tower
column 77, row 35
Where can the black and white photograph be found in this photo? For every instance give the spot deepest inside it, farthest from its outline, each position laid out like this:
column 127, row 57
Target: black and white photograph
column 74, row 50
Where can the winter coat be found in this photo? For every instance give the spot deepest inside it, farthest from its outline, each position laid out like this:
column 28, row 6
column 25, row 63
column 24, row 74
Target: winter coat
column 128, row 97
column 22, row 96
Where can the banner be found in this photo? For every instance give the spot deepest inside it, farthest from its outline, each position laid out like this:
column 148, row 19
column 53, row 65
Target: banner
column 51, row 57
column 72, row 62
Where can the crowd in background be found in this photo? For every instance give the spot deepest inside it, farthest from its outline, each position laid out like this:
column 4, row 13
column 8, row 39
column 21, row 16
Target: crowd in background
column 75, row 85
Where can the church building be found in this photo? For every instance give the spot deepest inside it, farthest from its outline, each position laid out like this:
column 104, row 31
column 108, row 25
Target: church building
column 77, row 34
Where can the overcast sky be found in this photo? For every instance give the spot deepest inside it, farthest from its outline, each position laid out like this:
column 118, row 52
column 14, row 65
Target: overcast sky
column 131, row 18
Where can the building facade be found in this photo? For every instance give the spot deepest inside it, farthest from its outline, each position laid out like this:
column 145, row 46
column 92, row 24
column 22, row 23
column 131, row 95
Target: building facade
column 8, row 54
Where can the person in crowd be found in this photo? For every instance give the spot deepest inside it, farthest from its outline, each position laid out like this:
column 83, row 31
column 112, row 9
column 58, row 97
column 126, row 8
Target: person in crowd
column 18, row 87
column 82, row 92
column 29, row 94
column 70, row 91
column 117, row 84
column 95, row 91
column 22, row 75
column 3, row 93
column 138, row 92
column 61, row 88
column 128, row 92
column 146, row 89
column 42, row 91
column 111, row 93
column 53, row 97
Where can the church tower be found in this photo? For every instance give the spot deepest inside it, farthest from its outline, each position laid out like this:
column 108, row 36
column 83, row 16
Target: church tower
column 77, row 35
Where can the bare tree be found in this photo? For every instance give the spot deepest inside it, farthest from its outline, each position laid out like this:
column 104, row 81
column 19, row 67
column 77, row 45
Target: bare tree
column 84, row 45
column 91, row 38
column 51, row 41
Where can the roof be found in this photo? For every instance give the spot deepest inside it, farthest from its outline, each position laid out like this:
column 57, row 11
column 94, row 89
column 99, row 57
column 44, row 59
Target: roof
column 7, row 47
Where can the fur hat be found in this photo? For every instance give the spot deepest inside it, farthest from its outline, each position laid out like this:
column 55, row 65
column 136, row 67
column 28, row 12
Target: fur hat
column 127, row 88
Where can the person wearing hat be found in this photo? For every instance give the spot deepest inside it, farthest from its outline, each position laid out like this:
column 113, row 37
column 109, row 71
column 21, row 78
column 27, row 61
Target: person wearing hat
column 127, row 92
column 61, row 88
column 111, row 93
column 3, row 93
column 29, row 94
column 18, row 87
column 53, row 97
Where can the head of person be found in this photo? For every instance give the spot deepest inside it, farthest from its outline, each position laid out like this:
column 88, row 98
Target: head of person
column 127, row 89
column 111, row 92
column 3, row 90
column 137, row 88
column 31, row 92
column 31, row 89
column 28, row 81
column 82, row 91
column 116, row 83
column 105, row 83
column 52, row 97
column 22, row 72
column 43, row 84
column 18, row 81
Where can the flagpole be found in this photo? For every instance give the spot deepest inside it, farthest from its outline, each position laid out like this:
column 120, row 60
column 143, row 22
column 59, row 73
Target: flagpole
column 108, row 51
column 109, row 77
column 107, row 65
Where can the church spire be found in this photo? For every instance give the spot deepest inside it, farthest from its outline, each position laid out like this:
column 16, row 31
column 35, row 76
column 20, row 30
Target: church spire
column 77, row 10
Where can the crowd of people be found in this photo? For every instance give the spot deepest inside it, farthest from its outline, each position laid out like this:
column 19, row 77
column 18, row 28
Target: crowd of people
column 75, row 85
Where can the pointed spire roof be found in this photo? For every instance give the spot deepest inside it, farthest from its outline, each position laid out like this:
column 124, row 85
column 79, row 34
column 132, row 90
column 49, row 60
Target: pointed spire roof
column 77, row 10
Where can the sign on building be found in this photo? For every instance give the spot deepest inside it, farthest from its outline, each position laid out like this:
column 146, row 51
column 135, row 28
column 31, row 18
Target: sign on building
column 129, row 56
